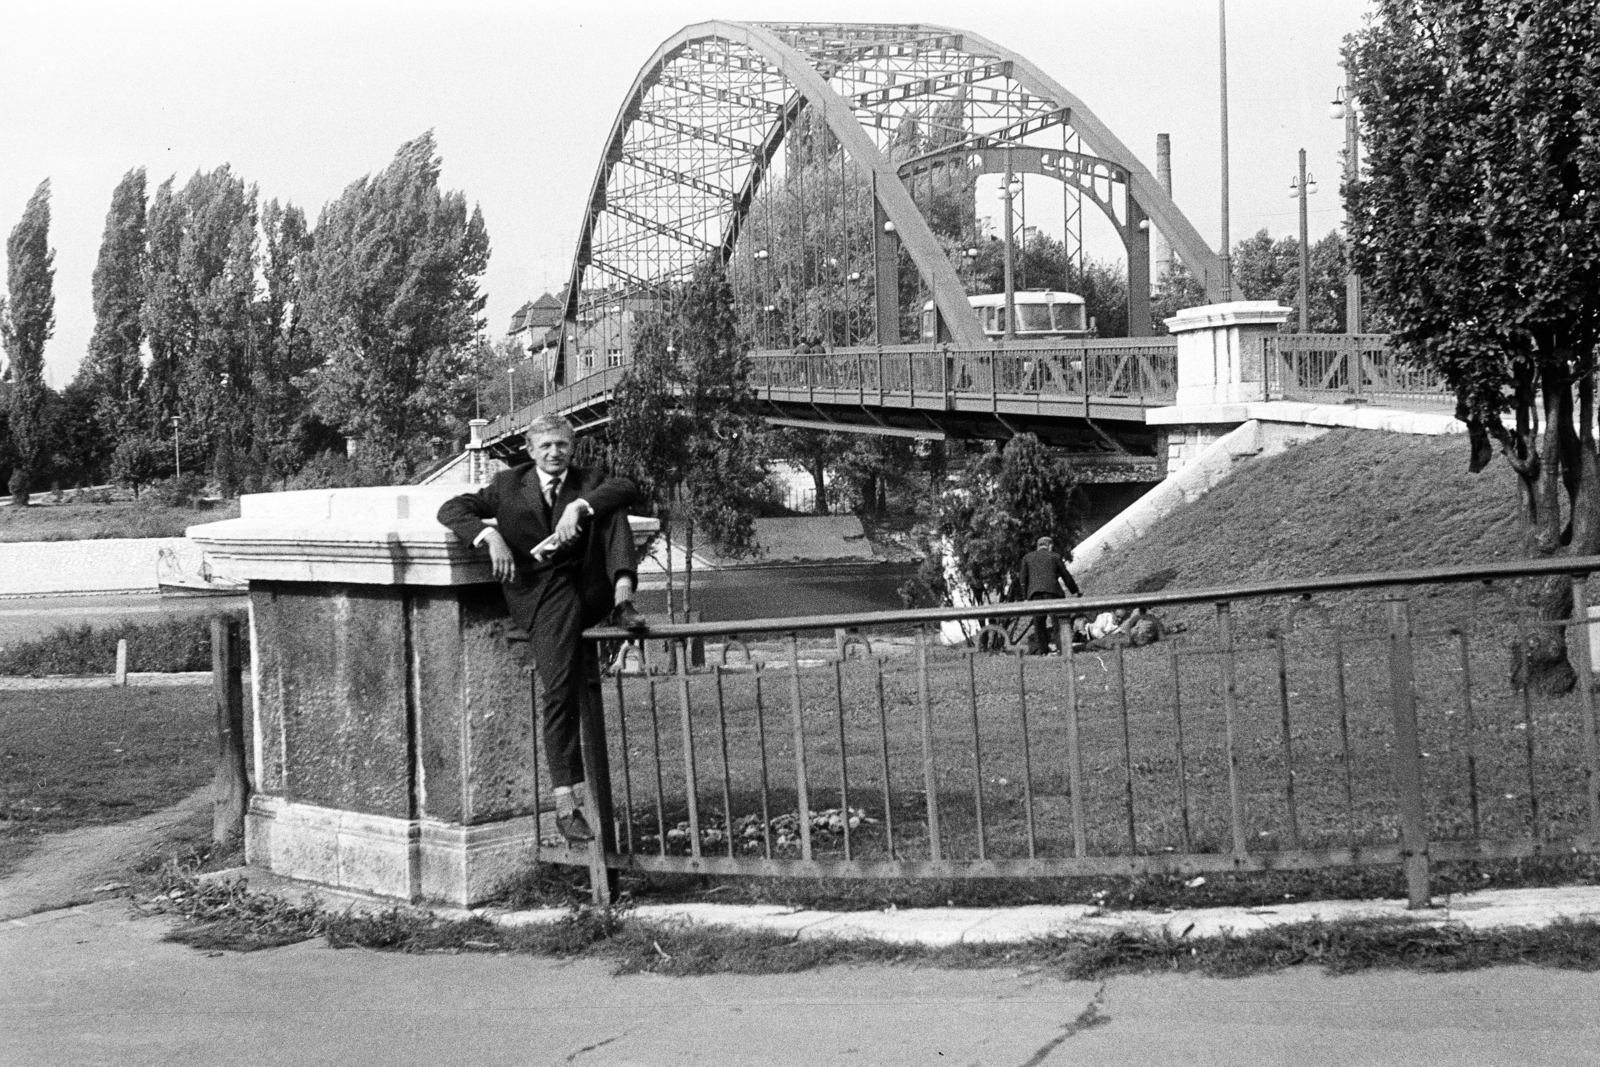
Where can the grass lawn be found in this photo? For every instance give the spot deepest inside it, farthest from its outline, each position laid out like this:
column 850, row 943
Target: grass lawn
column 72, row 758
column 69, row 521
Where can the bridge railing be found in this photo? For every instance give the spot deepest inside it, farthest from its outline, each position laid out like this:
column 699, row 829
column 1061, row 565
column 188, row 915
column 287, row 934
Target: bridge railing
column 1356, row 720
column 1339, row 368
column 1142, row 370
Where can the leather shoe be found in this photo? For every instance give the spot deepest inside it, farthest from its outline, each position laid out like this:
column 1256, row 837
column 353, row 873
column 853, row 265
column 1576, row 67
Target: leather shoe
column 625, row 616
column 574, row 827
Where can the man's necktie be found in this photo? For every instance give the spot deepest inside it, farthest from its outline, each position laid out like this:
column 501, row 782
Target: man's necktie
column 550, row 492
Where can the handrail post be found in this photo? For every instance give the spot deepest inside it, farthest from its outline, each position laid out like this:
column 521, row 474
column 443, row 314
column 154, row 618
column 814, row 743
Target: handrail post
column 1591, row 734
column 1407, row 753
column 1230, row 683
column 603, row 882
column 930, row 771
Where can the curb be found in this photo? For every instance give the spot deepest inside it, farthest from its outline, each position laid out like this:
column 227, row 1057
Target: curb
column 1488, row 909
column 136, row 679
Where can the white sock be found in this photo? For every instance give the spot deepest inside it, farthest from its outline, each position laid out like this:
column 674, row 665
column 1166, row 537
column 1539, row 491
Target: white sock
column 565, row 801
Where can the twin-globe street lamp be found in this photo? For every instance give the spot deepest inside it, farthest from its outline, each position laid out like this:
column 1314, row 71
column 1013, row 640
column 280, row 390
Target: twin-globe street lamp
column 1343, row 109
column 1299, row 188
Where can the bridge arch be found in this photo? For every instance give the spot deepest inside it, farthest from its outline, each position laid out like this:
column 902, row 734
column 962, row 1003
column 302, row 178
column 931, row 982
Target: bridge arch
column 698, row 133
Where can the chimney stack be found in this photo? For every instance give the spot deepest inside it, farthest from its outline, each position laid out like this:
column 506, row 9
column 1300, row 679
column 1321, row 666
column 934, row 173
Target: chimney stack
column 1163, row 249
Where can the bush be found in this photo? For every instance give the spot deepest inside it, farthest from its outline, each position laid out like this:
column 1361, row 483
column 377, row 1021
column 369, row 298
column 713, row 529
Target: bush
column 179, row 492
column 180, row 644
column 330, row 470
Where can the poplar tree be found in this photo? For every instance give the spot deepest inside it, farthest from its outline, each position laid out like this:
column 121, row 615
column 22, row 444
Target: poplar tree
column 28, row 321
column 392, row 307
column 112, row 373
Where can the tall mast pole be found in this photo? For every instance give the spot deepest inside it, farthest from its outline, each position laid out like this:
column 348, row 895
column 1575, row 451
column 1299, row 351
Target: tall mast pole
column 1222, row 49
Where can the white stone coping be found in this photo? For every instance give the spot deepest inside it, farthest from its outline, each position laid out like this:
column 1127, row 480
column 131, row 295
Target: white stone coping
column 384, row 535
column 1233, row 313
column 1355, row 416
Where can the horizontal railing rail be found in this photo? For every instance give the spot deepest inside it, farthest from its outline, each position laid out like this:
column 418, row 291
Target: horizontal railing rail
column 1347, row 720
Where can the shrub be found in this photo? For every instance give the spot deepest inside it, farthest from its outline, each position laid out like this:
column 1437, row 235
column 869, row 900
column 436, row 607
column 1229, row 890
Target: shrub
column 178, row 644
column 179, row 492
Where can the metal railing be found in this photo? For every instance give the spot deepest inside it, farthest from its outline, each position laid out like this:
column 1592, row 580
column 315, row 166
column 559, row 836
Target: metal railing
column 1344, row 368
column 1143, row 371
column 1353, row 720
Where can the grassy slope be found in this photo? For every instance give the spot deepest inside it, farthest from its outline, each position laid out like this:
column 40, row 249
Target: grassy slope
column 1349, row 502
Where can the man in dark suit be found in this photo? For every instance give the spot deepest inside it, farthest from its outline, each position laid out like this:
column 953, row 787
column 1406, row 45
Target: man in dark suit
column 1044, row 577
column 561, row 547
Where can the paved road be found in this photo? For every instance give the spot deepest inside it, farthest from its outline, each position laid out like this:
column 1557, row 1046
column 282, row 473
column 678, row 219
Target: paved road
column 23, row 618
column 93, row 986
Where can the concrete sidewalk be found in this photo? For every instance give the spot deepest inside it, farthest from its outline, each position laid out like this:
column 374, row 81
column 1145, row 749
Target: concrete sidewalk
column 97, row 985
column 936, row 927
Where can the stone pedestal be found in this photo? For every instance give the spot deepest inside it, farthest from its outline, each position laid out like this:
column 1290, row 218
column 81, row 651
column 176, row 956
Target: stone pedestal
column 393, row 729
column 1220, row 350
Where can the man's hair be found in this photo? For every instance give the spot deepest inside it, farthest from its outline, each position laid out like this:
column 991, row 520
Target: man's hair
column 552, row 424
column 1045, row 542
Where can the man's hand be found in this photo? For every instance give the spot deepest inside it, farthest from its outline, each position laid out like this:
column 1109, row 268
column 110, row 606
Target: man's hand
column 500, row 557
column 571, row 524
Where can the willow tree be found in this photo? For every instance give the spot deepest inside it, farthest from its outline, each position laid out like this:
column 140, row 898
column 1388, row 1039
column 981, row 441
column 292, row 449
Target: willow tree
column 1477, row 224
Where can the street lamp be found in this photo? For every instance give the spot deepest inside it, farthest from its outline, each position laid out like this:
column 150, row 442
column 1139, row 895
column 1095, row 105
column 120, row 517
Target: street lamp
column 1343, row 109
column 1009, row 191
column 511, row 391
column 177, row 458
column 1300, row 188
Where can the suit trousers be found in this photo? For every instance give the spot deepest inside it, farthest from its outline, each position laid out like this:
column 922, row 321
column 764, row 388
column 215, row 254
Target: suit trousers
column 564, row 668
column 1043, row 626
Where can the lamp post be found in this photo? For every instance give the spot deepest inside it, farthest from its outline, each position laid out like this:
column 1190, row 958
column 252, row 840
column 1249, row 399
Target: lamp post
column 1008, row 193
column 1344, row 108
column 760, row 257
column 1299, row 188
column 177, row 458
column 511, row 391
column 1222, row 56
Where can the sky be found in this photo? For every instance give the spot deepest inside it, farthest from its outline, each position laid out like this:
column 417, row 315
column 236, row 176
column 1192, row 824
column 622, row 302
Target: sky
column 304, row 98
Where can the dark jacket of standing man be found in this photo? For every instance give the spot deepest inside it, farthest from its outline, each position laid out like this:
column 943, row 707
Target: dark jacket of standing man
column 563, row 552
column 1042, row 577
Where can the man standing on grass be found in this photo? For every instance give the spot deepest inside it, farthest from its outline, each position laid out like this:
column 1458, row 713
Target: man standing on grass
column 562, row 549
column 1045, row 577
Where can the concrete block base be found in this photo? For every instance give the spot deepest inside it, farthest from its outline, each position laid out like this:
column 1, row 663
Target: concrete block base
column 403, row 859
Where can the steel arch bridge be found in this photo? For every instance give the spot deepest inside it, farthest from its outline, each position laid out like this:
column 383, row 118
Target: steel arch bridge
column 816, row 163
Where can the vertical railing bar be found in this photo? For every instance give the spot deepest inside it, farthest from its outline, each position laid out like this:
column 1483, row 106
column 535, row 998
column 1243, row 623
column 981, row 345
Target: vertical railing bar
column 627, row 765
column 538, row 733
column 661, row 792
column 1408, row 753
column 1591, row 730
column 1182, row 769
column 766, row 788
column 930, row 772
column 1127, row 748
column 844, row 767
column 727, row 775
column 1470, row 726
column 1288, row 742
column 802, row 785
column 1344, row 737
column 691, row 781
column 977, row 752
column 1527, row 731
column 1080, row 833
column 1027, row 757
column 883, row 743
column 1230, row 720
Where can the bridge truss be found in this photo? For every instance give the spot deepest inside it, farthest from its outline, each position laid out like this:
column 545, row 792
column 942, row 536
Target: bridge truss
column 824, row 165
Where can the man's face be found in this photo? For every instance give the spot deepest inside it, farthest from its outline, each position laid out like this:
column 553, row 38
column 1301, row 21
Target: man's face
column 552, row 452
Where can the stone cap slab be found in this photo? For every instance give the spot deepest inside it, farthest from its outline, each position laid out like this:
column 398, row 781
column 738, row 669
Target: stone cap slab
column 1233, row 313
column 383, row 535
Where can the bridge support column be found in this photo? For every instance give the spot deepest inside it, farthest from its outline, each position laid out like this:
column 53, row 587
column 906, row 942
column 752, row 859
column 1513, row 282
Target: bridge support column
column 394, row 749
column 1221, row 351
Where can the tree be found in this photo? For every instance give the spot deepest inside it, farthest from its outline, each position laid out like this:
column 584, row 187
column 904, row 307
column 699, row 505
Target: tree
column 392, row 307
column 282, row 355
column 29, row 320
column 682, row 419
column 1175, row 290
column 817, row 452
column 112, row 373
column 1264, row 269
column 1006, row 500
column 1478, row 228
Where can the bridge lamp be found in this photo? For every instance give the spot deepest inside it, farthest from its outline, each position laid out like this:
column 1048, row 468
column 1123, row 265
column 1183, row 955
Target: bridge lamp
column 761, row 253
column 1343, row 109
column 1144, row 225
column 1337, row 110
column 855, row 276
column 1301, row 186
column 888, row 227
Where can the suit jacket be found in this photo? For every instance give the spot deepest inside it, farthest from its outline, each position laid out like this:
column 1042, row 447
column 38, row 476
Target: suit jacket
column 593, row 563
column 1042, row 571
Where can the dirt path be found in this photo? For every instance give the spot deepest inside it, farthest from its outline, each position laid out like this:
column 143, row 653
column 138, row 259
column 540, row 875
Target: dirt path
column 68, row 868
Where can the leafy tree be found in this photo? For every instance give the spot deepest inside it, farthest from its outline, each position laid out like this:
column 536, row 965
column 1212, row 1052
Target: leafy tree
column 682, row 419
column 393, row 306
column 282, row 351
column 81, row 441
column 817, row 452
column 1264, row 269
column 112, row 373
column 139, row 459
column 28, row 321
column 1478, row 228
column 1174, row 290
column 1006, row 500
